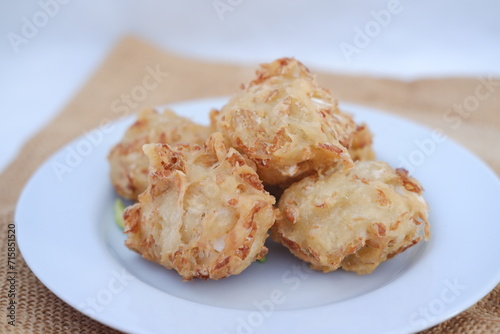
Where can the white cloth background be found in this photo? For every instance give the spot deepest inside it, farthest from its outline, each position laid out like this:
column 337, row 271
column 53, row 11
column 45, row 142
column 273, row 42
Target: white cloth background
column 48, row 48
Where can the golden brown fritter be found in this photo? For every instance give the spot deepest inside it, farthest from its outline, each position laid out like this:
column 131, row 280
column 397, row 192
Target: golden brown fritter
column 361, row 144
column 205, row 212
column 288, row 125
column 353, row 218
column 129, row 165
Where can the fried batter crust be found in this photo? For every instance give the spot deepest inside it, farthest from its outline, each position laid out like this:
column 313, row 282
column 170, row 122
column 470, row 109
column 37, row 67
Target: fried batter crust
column 354, row 219
column 205, row 212
column 129, row 165
column 287, row 124
column 361, row 144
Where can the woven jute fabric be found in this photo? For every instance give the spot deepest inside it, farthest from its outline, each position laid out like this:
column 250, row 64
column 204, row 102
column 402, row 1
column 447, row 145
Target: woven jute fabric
column 457, row 106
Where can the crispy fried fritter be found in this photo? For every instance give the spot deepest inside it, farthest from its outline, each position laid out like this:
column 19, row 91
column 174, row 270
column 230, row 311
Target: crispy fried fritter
column 353, row 218
column 288, row 125
column 361, row 144
column 205, row 212
column 129, row 165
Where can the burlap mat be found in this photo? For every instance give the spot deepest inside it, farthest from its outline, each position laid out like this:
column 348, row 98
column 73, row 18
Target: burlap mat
column 426, row 101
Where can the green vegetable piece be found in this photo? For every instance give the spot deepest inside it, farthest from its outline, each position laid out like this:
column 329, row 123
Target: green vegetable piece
column 119, row 207
column 264, row 259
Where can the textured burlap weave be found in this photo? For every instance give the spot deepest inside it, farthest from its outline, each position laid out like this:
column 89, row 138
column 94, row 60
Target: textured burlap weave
column 426, row 101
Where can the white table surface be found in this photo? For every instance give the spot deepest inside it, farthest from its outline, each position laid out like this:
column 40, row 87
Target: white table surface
column 42, row 69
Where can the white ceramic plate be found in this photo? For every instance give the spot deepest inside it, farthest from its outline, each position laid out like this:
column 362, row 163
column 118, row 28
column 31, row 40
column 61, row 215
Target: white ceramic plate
column 68, row 237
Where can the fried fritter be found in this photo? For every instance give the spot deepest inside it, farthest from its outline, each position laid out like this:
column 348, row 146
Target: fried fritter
column 354, row 219
column 288, row 125
column 361, row 144
column 205, row 212
column 129, row 165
